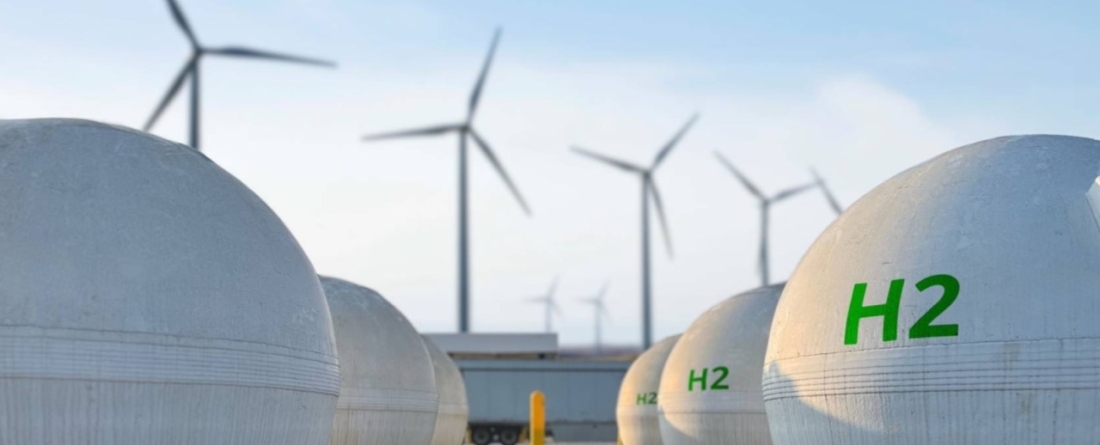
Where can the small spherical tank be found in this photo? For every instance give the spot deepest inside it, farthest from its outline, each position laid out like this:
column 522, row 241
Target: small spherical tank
column 956, row 303
column 453, row 412
column 636, row 412
column 148, row 297
column 387, row 383
column 710, row 389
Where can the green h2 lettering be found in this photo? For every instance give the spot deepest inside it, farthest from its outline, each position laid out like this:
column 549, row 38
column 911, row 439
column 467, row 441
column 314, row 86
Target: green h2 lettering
column 702, row 379
column 923, row 328
column 888, row 311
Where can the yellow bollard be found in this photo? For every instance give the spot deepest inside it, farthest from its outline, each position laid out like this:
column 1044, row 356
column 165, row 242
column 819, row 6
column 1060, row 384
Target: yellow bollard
column 538, row 418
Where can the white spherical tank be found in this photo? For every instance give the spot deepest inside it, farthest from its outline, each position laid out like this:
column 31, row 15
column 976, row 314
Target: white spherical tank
column 148, row 297
column 956, row 303
column 710, row 389
column 453, row 412
column 387, row 384
column 636, row 412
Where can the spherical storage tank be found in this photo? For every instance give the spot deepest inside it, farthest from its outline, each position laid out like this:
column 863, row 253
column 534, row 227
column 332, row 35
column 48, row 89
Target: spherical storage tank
column 148, row 297
column 636, row 412
column 710, row 389
column 956, row 303
column 453, row 412
column 387, row 385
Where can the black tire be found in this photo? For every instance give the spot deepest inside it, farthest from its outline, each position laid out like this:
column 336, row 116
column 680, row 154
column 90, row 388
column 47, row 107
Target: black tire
column 481, row 436
column 509, row 436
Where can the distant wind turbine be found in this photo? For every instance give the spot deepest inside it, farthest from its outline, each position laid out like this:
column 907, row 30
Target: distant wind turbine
column 550, row 305
column 600, row 313
column 465, row 130
column 649, row 191
column 828, row 193
column 765, row 208
column 191, row 70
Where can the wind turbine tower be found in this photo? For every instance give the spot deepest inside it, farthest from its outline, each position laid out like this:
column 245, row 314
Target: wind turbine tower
column 600, row 311
column 465, row 131
column 766, row 203
column 649, row 192
column 550, row 306
column 190, row 70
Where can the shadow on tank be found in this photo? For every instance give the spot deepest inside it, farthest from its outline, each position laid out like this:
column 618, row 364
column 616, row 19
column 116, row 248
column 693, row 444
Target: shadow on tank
column 795, row 422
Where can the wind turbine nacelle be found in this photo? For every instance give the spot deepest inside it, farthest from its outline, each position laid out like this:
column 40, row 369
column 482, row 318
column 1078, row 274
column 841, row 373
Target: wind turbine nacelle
column 454, row 411
column 388, row 393
column 710, row 388
column 636, row 412
column 148, row 297
column 956, row 303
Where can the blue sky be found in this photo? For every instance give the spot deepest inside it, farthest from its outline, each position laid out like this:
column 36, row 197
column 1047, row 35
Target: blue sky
column 860, row 90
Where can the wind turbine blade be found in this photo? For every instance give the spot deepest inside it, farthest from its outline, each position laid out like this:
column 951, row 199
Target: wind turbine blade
column 660, row 214
column 171, row 94
column 672, row 143
column 603, row 291
column 828, row 193
column 553, row 288
column 500, row 170
column 792, row 191
column 554, row 307
column 744, row 181
column 236, row 51
column 426, row 131
column 475, row 96
column 181, row 20
column 609, row 160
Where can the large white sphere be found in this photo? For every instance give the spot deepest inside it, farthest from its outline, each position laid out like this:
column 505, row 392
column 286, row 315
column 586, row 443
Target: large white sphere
column 979, row 274
column 387, row 384
column 148, row 297
column 453, row 413
column 636, row 412
column 710, row 389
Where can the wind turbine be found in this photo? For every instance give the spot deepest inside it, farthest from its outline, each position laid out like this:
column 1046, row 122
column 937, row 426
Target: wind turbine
column 191, row 70
column 464, row 130
column 765, row 208
column 549, row 304
column 600, row 314
column 649, row 190
column 828, row 193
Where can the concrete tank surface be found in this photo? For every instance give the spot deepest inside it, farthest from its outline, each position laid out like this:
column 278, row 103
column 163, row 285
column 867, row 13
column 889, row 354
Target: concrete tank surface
column 956, row 303
column 453, row 412
column 636, row 412
column 710, row 390
column 148, row 297
column 387, row 384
